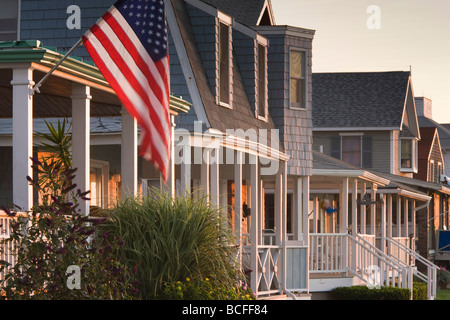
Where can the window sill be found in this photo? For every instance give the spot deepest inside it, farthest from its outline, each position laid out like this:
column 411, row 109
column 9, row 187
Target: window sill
column 408, row 170
column 225, row 105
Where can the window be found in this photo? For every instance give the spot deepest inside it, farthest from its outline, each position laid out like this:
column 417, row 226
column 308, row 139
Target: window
column 351, row 148
column 262, row 101
column 224, row 64
column 408, row 155
column 297, row 79
column 431, row 171
column 9, row 20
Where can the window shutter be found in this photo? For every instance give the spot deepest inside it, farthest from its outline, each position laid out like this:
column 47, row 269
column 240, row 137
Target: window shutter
column 336, row 147
column 367, row 151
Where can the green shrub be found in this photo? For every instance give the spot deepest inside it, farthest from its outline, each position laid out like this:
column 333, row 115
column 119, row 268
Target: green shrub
column 205, row 289
column 168, row 240
column 364, row 293
column 420, row 291
column 54, row 240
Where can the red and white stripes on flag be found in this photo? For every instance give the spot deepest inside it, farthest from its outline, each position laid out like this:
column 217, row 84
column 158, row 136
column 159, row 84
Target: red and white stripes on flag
column 129, row 45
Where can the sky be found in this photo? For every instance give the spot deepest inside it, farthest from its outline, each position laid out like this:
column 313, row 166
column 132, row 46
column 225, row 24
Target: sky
column 380, row 35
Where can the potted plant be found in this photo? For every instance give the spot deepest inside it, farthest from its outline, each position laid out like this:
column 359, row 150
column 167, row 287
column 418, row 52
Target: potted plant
column 443, row 277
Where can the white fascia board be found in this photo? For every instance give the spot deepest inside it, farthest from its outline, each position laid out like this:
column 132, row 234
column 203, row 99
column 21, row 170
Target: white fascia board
column 339, row 129
column 405, row 193
column 361, row 174
column 198, row 139
column 186, row 65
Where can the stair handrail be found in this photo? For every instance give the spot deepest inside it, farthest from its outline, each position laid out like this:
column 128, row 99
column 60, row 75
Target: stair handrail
column 388, row 260
column 431, row 277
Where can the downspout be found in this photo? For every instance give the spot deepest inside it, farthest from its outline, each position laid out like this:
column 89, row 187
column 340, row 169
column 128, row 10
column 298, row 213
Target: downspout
column 423, row 206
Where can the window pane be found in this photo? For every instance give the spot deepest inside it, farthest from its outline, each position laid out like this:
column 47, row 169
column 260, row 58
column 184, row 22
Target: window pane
column 224, row 58
column 297, row 64
column 297, row 79
column 406, row 155
column 351, row 150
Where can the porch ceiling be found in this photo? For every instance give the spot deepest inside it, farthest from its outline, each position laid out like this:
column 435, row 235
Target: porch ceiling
column 54, row 99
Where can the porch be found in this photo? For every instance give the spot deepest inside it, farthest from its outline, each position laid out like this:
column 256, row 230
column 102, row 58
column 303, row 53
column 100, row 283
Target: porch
column 368, row 234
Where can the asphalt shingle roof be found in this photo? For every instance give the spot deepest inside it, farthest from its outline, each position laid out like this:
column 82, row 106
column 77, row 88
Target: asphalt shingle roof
column 246, row 12
column 366, row 99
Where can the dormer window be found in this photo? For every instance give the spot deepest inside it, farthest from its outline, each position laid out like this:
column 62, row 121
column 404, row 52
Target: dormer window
column 262, row 83
column 224, row 65
column 408, row 155
column 297, row 79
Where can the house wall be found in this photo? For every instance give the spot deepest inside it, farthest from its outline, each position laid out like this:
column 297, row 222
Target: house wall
column 295, row 125
column 376, row 148
column 47, row 21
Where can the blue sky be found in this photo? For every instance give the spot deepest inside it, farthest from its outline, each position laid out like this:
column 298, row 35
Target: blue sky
column 412, row 33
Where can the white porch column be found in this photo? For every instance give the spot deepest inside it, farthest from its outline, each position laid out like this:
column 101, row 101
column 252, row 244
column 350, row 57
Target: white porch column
column 305, row 211
column 185, row 165
column 413, row 218
column 363, row 209
column 204, row 173
column 399, row 217
column 344, row 206
column 373, row 210
column 278, row 210
column 315, row 214
column 354, row 206
column 22, row 140
column 254, row 227
column 81, row 108
column 129, row 155
column 238, row 202
column 215, row 191
column 405, row 217
column 383, row 222
column 389, row 221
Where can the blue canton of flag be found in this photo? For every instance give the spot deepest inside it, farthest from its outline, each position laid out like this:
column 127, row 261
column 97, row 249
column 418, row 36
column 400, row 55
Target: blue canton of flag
column 147, row 18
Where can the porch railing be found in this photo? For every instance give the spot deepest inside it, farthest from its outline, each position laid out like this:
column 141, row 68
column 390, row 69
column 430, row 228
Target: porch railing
column 279, row 268
column 8, row 247
column 342, row 253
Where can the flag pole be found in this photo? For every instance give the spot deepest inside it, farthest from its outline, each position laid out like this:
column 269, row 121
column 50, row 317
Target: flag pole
column 36, row 87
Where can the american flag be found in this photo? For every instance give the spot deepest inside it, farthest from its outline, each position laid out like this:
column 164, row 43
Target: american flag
column 129, row 45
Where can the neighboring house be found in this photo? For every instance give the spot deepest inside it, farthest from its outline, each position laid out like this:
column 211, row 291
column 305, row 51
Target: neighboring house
column 424, row 108
column 367, row 119
column 242, row 128
column 366, row 126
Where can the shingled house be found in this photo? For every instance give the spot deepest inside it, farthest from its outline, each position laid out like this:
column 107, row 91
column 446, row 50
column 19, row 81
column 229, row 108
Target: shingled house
column 245, row 139
column 369, row 121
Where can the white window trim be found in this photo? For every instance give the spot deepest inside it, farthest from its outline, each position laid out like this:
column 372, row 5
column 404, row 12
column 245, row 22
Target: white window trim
column 306, row 78
column 230, row 65
column 414, row 156
column 266, row 80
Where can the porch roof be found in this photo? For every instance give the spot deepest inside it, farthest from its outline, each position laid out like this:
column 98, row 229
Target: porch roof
column 54, row 100
column 327, row 166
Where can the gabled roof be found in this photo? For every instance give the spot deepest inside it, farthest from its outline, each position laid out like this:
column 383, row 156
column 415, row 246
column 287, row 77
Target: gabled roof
column 220, row 118
column 249, row 12
column 359, row 100
column 428, row 139
column 443, row 130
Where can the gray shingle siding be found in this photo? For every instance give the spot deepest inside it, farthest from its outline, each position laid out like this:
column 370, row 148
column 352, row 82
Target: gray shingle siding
column 245, row 53
column 295, row 125
column 46, row 21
